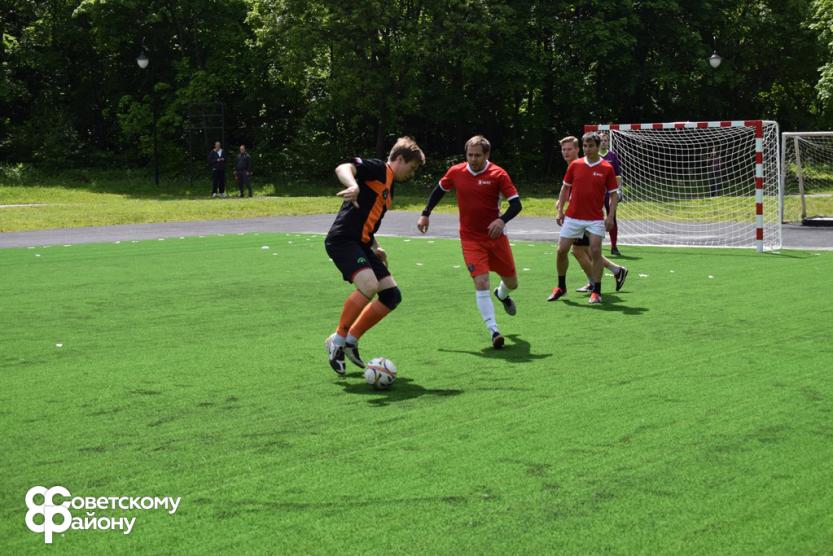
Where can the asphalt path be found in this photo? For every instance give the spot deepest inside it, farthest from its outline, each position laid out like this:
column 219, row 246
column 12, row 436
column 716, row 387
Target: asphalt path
column 396, row 223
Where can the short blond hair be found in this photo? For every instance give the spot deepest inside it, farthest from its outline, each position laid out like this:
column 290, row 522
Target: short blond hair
column 569, row 139
column 408, row 149
column 479, row 140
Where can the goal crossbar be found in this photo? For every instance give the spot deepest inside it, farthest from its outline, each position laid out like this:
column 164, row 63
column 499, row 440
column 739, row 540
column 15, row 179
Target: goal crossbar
column 756, row 164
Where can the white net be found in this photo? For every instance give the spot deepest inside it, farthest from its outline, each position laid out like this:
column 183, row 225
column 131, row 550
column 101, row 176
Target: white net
column 693, row 184
column 808, row 175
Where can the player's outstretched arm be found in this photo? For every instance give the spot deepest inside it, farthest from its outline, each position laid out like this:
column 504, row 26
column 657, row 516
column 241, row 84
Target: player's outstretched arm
column 433, row 199
column 346, row 174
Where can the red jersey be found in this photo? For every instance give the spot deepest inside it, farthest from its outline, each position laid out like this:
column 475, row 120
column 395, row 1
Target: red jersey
column 478, row 196
column 589, row 184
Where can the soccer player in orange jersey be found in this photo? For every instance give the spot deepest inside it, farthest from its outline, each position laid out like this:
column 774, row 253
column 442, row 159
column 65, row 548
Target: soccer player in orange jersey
column 569, row 150
column 479, row 185
column 351, row 244
column 585, row 184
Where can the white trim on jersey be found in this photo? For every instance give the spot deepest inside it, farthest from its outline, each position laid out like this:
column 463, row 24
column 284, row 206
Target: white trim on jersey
column 594, row 163
column 473, row 173
column 443, row 188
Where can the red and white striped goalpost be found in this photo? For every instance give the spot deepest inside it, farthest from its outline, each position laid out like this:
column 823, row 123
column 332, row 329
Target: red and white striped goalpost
column 758, row 128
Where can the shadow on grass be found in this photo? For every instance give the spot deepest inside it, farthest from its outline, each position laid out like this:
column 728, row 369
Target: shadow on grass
column 612, row 302
column 515, row 350
column 403, row 389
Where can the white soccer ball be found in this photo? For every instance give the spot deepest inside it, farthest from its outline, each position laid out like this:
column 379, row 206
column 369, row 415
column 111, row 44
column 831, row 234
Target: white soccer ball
column 380, row 372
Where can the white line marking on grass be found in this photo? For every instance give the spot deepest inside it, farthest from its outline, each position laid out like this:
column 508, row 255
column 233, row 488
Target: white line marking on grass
column 59, row 345
column 407, row 241
column 643, row 275
column 456, row 266
column 161, row 239
column 135, row 241
column 264, row 247
column 430, row 241
column 37, row 254
column 711, row 277
column 419, row 264
column 67, row 245
column 527, row 269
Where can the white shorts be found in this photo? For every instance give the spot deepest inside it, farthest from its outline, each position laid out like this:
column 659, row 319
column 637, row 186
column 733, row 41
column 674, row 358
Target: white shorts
column 574, row 229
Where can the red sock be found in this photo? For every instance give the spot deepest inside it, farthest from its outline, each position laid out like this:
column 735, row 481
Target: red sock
column 353, row 307
column 371, row 315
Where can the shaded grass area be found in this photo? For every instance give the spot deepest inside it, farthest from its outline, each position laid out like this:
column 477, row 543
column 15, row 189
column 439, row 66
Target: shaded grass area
column 682, row 415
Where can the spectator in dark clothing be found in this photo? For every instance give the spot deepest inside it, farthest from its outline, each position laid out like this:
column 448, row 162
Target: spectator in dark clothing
column 243, row 170
column 217, row 163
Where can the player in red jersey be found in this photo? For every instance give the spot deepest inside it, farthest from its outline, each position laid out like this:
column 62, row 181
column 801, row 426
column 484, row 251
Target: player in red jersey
column 569, row 150
column 585, row 184
column 479, row 185
column 352, row 246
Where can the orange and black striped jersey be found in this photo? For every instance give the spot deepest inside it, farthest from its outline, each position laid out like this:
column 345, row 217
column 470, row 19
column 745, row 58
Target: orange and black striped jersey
column 375, row 179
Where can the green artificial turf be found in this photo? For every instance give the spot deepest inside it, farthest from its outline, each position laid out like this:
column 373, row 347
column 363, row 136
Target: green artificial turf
column 690, row 413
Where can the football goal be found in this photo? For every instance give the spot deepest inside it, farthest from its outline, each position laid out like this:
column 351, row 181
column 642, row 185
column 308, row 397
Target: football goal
column 704, row 184
column 807, row 174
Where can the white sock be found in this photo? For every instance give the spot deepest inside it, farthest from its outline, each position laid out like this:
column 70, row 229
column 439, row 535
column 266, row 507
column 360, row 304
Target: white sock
column 614, row 268
column 338, row 339
column 502, row 290
column 487, row 309
column 350, row 339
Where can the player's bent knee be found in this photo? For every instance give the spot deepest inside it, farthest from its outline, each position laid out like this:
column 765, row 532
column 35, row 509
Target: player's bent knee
column 390, row 297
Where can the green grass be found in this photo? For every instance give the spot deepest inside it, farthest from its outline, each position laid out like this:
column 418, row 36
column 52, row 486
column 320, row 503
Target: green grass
column 690, row 413
column 102, row 198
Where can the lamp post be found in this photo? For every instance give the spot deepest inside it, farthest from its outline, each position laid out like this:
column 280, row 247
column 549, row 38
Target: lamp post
column 143, row 61
column 715, row 59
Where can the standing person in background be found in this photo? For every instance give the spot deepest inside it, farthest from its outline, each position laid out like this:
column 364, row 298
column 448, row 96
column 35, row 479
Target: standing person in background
column 217, row 163
column 585, row 184
column 569, row 150
column 613, row 159
column 243, row 171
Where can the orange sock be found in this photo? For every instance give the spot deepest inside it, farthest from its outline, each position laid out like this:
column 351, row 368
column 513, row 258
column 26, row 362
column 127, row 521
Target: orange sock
column 353, row 307
column 371, row 315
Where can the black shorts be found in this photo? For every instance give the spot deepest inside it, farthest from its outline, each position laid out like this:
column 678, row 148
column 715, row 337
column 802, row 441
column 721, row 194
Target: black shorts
column 583, row 241
column 351, row 256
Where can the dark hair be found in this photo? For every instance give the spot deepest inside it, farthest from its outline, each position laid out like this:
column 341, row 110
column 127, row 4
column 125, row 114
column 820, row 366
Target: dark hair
column 592, row 136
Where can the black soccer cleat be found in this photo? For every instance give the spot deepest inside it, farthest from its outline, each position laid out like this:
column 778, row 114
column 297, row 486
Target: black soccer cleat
column 620, row 278
column 497, row 340
column 508, row 304
column 586, row 288
column 352, row 353
column 615, row 252
column 336, row 356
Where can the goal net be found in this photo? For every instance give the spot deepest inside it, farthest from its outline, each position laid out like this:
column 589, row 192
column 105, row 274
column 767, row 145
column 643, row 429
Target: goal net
column 707, row 184
column 807, row 173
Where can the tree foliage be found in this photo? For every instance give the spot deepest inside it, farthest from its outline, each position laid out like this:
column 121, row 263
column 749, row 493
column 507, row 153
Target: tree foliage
column 306, row 82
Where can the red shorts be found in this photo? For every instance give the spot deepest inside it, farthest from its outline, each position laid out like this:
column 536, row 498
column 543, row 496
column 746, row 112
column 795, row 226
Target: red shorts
column 484, row 255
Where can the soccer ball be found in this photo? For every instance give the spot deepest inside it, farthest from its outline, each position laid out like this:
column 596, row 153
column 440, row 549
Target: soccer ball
column 380, row 372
